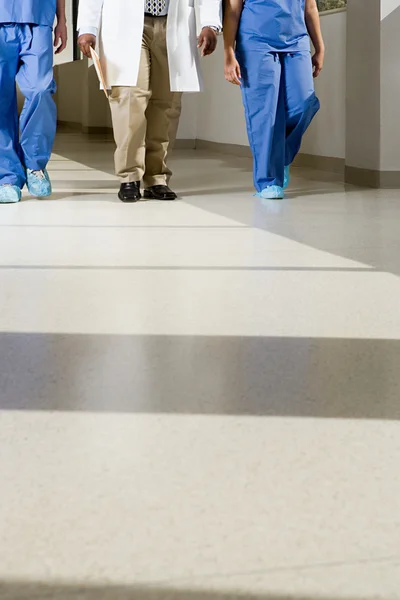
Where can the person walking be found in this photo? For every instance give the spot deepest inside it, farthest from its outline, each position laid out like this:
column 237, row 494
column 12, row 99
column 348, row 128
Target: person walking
column 267, row 53
column 149, row 54
column 26, row 58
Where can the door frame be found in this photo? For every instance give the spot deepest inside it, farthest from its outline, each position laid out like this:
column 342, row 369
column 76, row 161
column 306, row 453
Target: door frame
column 77, row 53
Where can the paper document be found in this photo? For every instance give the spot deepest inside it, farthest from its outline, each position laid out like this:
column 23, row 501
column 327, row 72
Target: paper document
column 99, row 70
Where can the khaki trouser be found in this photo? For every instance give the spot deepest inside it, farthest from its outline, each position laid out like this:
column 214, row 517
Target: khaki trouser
column 146, row 117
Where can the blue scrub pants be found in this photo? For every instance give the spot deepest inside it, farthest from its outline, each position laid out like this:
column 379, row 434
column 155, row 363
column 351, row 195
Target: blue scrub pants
column 26, row 57
column 280, row 103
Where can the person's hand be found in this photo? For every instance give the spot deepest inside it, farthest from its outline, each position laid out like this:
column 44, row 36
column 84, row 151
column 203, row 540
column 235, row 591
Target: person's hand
column 60, row 36
column 232, row 69
column 85, row 42
column 318, row 62
column 207, row 41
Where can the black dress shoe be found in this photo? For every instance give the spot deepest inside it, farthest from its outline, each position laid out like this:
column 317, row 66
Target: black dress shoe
column 160, row 192
column 130, row 192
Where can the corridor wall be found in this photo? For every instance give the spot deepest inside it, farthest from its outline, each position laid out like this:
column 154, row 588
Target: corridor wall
column 217, row 115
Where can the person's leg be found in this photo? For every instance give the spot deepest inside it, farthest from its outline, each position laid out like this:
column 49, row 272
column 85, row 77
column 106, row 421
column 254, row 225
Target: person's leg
column 38, row 120
column 174, row 117
column 11, row 170
column 128, row 111
column 301, row 103
column 264, row 111
column 163, row 105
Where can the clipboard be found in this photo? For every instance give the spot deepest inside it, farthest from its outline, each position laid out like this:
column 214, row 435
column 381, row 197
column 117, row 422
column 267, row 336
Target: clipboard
column 99, row 70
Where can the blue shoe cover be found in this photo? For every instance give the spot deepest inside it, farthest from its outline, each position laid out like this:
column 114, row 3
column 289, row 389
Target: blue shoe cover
column 38, row 183
column 272, row 192
column 9, row 194
column 286, row 180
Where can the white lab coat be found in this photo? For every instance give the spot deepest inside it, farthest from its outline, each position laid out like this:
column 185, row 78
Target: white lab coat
column 121, row 25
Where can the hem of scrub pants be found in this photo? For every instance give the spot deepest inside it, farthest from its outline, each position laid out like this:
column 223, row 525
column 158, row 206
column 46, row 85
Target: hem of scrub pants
column 292, row 150
column 37, row 166
column 10, row 180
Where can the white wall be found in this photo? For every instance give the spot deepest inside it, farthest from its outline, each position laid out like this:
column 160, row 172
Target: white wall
column 327, row 134
column 70, row 78
column 363, row 85
column 220, row 112
column 68, row 54
column 390, row 86
column 387, row 7
column 188, row 123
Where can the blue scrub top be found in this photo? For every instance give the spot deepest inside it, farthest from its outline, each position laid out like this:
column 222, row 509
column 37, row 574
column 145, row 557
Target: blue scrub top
column 36, row 12
column 273, row 26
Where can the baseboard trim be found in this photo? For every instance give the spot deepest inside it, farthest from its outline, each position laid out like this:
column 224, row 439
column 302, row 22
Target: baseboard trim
column 329, row 164
column 352, row 175
column 69, row 127
column 320, row 163
column 219, row 148
column 372, row 178
column 185, row 145
column 89, row 130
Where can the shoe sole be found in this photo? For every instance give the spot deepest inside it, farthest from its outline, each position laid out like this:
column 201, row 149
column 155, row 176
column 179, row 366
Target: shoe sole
column 129, row 200
column 258, row 195
column 41, row 195
column 150, row 196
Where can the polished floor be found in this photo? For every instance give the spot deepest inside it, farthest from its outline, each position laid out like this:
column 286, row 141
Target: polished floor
column 199, row 400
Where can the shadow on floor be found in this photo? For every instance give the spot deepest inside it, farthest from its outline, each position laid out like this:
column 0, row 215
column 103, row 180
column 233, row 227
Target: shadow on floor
column 248, row 190
column 255, row 376
column 355, row 225
column 41, row 591
column 320, row 212
column 92, row 195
